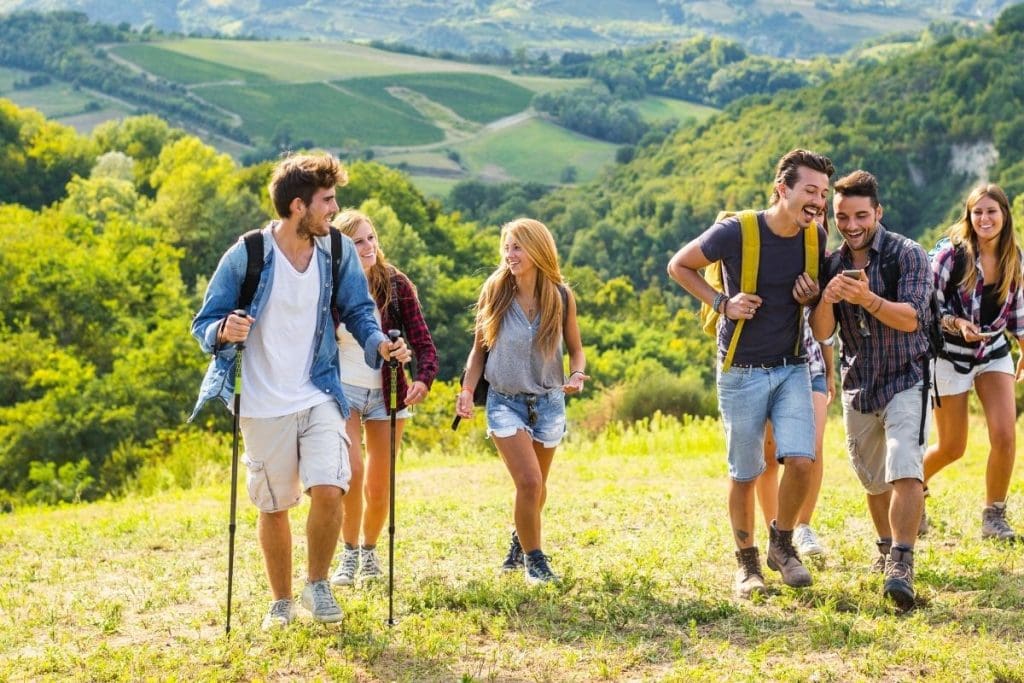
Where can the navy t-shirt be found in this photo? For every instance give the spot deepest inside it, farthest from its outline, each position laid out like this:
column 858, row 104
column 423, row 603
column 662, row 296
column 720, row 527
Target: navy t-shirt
column 772, row 332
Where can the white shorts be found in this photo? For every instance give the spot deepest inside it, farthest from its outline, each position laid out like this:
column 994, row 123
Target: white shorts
column 288, row 455
column 950, row 382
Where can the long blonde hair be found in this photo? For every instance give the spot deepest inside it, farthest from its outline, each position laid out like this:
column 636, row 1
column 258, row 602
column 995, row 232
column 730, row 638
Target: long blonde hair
column 380, row 273
column 962, row 234
column 499, row 289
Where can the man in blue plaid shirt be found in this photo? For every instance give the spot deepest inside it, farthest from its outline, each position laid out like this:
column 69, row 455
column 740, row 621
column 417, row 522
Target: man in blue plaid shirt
column 881, row 318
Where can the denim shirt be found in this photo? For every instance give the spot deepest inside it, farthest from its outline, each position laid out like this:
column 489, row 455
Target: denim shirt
column 355, row 307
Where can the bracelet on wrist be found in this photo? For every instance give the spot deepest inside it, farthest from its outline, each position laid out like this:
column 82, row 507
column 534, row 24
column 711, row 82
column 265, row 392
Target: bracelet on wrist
column 575, row 372
column 720, row 298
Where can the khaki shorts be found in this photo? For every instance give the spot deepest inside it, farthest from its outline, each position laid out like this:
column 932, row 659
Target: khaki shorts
column 288, row 455
column 884, row 445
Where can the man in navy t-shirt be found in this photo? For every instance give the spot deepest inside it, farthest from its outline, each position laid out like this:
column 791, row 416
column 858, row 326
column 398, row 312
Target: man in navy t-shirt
column 768, row 377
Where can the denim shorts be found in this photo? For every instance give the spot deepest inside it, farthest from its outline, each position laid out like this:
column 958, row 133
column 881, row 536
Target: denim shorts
column 542, row 416
column 818, row 384
column 749, row 397
column 369, row 403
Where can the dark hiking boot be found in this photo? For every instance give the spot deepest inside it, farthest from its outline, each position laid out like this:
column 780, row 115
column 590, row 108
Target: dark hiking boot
column 995, row 526
column 884, row 548
column 783, row 558
column 899, row 579
column 514, row 559
column 749, row 579
column 537, row 568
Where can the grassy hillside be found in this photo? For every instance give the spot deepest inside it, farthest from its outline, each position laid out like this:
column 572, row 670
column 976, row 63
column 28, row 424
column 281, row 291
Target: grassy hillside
column 635, row 522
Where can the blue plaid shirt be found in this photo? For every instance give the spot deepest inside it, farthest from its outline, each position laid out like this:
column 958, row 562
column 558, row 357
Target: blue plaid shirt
column 879, row 361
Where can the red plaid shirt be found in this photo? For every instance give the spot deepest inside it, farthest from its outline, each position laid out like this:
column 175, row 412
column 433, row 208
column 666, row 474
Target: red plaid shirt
column 416, row 334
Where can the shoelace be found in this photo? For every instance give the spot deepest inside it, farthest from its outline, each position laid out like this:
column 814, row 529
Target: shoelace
column 322, row 596
column 751, row 565
column 900, row 570
column 515, row 552
column 539, row 567
column 281, row 609
column 370, row 563
column 349, row 562
column 997, row 518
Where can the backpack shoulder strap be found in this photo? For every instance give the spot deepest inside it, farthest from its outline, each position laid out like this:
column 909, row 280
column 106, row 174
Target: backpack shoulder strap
column 750, row 238
column 335, row 264
column 890, row 265
column 253, row 267
column 750, row 258
column 811, row 250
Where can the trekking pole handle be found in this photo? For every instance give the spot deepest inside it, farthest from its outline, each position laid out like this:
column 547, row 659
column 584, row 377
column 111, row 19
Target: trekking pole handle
column 393, row 335
column 241, row 313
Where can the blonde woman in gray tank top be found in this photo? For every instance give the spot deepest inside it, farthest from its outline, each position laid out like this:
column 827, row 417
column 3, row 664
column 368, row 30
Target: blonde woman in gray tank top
column 524, row 313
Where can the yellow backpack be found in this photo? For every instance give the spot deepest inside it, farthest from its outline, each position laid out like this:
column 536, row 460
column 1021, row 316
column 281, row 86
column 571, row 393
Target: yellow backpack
column 750, row 257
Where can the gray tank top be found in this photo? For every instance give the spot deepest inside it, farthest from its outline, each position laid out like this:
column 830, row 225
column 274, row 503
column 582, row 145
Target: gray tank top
column 514, row 366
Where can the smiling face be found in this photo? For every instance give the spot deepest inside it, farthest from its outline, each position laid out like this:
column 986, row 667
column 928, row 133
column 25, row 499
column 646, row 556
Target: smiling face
column 806, row 199
column 365, row 241
column 316, row 216
column 987, row 219
column 857, row 220
column 518, row 261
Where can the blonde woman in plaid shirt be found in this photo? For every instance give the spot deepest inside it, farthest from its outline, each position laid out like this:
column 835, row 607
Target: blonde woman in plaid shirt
column 979, row 309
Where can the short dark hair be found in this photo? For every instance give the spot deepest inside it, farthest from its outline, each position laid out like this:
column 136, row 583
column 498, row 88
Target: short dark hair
column 788, row 168
column 301, row 175
column 858, row 184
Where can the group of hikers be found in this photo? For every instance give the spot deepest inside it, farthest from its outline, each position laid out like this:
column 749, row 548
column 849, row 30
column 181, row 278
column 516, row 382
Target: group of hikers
column 318, row 413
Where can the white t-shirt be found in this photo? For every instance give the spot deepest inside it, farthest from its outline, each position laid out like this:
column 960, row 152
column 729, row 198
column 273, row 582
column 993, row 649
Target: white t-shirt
column 352, row 359
column 279, row 351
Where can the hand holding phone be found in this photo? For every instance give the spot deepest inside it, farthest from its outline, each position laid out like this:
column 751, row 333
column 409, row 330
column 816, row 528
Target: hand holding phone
column 990, row 333
column 855, row 274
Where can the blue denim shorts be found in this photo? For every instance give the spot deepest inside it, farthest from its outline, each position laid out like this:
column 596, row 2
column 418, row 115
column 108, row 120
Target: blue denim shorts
column 370, row 403
column 542, row 416
column 818, row 384
column 747, row 398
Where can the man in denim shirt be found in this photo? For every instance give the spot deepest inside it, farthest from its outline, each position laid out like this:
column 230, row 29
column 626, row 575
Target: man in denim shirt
column 884, row 349
column 292, row 407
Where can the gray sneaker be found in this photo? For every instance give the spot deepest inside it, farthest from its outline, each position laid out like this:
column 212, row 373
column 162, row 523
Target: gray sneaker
column 995, row 526
column 369, row 568
column 538, row 570
column 749, row 579
column 782, row 558
column 899, row 579
column 348, row 564
column 806, row 541
column 279, row 615
column 319, row 600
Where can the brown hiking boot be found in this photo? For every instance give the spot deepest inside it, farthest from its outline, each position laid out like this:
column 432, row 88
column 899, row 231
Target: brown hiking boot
column 899, row 579
column 995, row 526
column 884, row 547
column 782, row 558
column 749, row 579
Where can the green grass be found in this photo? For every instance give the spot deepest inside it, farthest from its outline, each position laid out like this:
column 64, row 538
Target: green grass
column 182, row 68
column 476, row 97
column 661, row 108
column 535, row 150
column 635, row 521
column 433, row 186
column 55, row 100
column 329, row 116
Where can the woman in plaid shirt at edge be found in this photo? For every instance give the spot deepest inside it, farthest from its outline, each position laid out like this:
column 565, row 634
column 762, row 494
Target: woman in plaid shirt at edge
column 367, row 392
column 988, row 300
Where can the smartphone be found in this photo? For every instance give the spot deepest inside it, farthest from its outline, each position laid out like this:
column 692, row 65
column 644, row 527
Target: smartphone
column 854, row 274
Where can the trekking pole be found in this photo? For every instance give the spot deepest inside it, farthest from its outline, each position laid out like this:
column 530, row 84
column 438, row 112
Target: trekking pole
column 234, row 472
column 392, row 409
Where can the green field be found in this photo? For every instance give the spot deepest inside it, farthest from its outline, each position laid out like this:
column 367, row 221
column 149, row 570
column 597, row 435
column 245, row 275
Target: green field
column 180, row 68
column 635, row 522
column 476, row 97
column 56, row 100
column 326, row 115
column 661, row 108
column 535, row 150
column 433, row 186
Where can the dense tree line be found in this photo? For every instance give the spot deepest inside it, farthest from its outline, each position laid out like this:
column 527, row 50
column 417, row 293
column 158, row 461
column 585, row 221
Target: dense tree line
column 65, row 45
column 713, row 71
column 593, row 113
